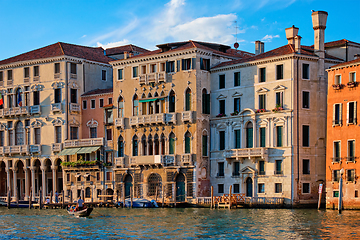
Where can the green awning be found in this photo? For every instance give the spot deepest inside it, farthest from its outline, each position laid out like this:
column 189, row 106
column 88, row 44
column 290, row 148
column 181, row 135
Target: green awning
column 150, row 99
column 69, row 151
column 88, row 149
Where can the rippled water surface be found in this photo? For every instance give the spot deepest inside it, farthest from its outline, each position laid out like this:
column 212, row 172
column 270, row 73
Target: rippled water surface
column 179, row 223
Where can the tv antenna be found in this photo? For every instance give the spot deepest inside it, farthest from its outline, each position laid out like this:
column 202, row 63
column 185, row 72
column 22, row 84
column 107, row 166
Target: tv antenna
column 236, row 44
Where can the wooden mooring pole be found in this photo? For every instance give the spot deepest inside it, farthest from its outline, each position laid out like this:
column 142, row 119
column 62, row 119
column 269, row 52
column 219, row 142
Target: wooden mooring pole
column 163, row 196
column 63, row 199
column 30, row 198
column 131, row 197
column 340, row 190
column 212, row 198
column 40, row 199
column 230, row 189
column 8, row 198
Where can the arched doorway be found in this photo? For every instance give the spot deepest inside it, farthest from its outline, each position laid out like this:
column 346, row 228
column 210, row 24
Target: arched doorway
column 3, row 179
column 109, row 191
column 128, row 185
column 180, row 188
column 154, row 185
column 87, row 192
column 36, row 178
column 48, row 177
column 58, row 176
column 20, row 180
column 249, row 187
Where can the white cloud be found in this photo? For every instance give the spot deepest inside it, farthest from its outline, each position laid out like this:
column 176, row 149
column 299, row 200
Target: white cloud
column 113, row 44
column 268, row 38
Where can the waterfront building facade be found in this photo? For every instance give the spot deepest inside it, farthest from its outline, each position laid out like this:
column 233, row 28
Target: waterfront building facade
column 40, row 115
column 161, row 115
column 342, row 159
column 267, row 120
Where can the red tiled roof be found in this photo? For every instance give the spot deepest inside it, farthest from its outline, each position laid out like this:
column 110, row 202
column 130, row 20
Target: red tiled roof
column 61, row 49
column 347, row 63
column 97, row 91
column 338, row 43
column 283, row 50
column 125, row 48
column 239, row 53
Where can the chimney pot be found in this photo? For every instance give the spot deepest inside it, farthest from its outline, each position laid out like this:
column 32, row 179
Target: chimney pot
column 291, row 32
column 259, row 47
column 319, row 24
column 297, row 43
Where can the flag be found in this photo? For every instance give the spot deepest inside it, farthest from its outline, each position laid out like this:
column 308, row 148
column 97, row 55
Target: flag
column 1, row 100
column 19, row 101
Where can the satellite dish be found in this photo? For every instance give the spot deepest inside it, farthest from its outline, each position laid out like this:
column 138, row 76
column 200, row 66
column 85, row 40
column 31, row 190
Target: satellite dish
column 236, row 45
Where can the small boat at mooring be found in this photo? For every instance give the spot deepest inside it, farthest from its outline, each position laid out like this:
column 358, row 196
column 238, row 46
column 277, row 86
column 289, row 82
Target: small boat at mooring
column 81, row 213
column 140, row 203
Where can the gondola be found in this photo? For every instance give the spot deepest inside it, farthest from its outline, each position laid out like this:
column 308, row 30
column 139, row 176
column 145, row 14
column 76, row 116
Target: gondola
column 81, row 213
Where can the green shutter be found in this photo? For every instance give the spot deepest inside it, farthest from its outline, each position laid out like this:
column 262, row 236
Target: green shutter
column 193, row 63
column 202, row 63
column 249, row 137
column 279, row 136
column 178, row 65
column 187, row 144
column 262, row 137
column 237, row 139
column 207, row 102
column 171, row 145
column 204, row 145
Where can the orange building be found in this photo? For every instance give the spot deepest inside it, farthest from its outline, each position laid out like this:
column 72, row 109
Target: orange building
column 343, row 135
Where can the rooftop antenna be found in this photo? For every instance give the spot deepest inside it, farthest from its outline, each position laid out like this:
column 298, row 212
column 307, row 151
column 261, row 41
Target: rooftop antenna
column 236, row 44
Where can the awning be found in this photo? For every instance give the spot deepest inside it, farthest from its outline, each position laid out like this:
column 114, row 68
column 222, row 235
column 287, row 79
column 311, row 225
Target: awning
column 88, row 149
column 69, row 151
column 151, row 99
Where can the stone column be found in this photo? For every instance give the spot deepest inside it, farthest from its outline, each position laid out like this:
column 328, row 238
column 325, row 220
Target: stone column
column 43, row 182
column 32, row 169
column 8, row 179
column 26, row 198
column 15, row 182
column 54, row 168
column 254, row 133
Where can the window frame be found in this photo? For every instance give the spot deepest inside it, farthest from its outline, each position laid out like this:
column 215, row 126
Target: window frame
column 350, row 78
column 303, row 188
column 101, row 102
column 237, row 80
column 262, row 102
column 303, row 100
column 262, row 75
column 133, row 75
column 222, row 141
column 307, row 161
column 303, row 136
column 279, row 72
column 84, row 103
column 308, row 71
column 277, row 187
column 103, row 75
column 261, row 188
column 92, row 106
column 336, row 158
column 222, row 81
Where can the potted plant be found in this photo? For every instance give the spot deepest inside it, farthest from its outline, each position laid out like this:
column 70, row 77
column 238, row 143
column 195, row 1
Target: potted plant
column 351, row 84
column 277, row 108
column 337, row 86
column 221, row 115
column 260, row 110
column 234, row 113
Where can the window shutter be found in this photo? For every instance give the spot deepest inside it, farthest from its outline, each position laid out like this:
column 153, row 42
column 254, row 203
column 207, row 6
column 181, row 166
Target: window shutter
column 333, row 122
column 182, row 64
column 193, row 61
column 347, row 113
column 208, row 65
column 201, row 63
column 207, row 101
column 204, row 103
column 167, row 67
column 355, row 112
column 340, row 114
column 178, row 65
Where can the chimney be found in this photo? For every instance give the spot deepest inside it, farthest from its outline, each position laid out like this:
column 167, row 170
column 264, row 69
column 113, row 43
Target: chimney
column 319, row 24
column 297, row 43
column 125, row 55
column 259, row 47
column 291, row 32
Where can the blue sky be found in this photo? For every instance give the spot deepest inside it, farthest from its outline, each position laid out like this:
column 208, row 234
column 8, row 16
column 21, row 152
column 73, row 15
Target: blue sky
column 27, row 25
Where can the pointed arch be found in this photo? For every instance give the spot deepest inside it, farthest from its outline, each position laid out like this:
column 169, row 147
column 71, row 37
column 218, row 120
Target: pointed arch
column 120, row 146
column 135, row 105
column 151, row 145
column 19, row 134
column 135, row 146
column 156, row 145
column 172, row 100
column 187, row 141
column 144, row 145
column 171, row 143
column 162, row 144
column 188, row 99
column 120, row 107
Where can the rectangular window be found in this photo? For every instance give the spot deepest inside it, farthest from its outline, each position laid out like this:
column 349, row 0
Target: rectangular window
column 206, row 103
column 1, row 76
column 204, row 145
column 170, row 66
column 2, row 135
column 306, row 99
column 350, row 175
column 135, row 71
column 73, row 68
column 278, row 167
column 261, row 167
column 220, row 169
column 306, row 188
column 222, row 106
column 236, row 105
column 306, row 135
column 26, row 72
column 9, row 75
column 262, row 101
column 279, row 99
column 103, row 75
column 220, row 188
column 92, row 103
column 36, row 95
column 338, row 79
column 222, row 81
column 36, row 71
column 337, row 114
column 336, row 152
column 306, row 166
column 57, row 68
column 305, row 71
column 101, row 102
column 58, row 134
column 351, row 151
column 261, row 188
column 351, row 113
column 204, row 64
column 336, row 175
column 262, row 72
column 37, row 135
column 236, row 170
column 84, row 104
column 120, row 74
column 57, row 95
column 279, row 72
column 237, row 138
column 73, row 95
column 93, row 132
column 236, row 188
column 109, row 100
column 262, row 139
column 222, row 140
column 186, row 64
column 278, row 188
column 279, row 136
column 108, row 134
column 74, row 133
column 352, row 77
column 236, row 79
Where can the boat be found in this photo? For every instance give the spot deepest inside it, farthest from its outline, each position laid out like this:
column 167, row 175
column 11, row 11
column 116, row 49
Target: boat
column 81, row 213
column 21, row 204
column 140, row 203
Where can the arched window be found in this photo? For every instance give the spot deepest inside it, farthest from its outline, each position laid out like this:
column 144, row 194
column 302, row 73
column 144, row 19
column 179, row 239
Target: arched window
column 188, row 100
column 144, row 145
column 172, row 101
column 187, row 142
column 120, row 146
column 151, row 144
column 87, row 192
column 204, row 144
column 157, row 103
column 172, row 143
column 154, row 184
column 249, row 135
column 143, row 105
column 156, row 144
column 121, row 107
column 19, row 134
column 205, row 102
column 135, row 150
column 162, row 102
column 162, row 144
column 135, row 105
column 150, row 105
column 18, row 98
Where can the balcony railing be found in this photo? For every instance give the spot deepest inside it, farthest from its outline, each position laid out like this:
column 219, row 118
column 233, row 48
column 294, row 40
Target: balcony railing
column 35, row 149
column 15, row 111
column 247, row 153
column 88, row 142
column 74, row 107
column 159, row 118
column 278, row 172
column 187, row 116
column 336, row 159
column 120, row 162
column 36, row 78
column 56, row 75
column 56, row 107
column 152, row 77
column 186, row 159
column 17, row 149
column 261, row 172
column 35, row 109
column 152, row 160
column 350, row 159
column 120, row 122
column 56, row 147
column 26, row 80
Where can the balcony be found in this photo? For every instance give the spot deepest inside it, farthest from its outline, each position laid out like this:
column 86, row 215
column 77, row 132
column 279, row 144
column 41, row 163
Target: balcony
column 56, row 107
column 152, row 160
column 109, row 144
column 187, row 116
column 35, row 109
column 159, row 118
column 17, row 149
column 15, row 111
column 186, row 159
column 152, row 77
column 87, row 142
column 26, row 80
column 336, row 159
column 56, row 75
column 36, row 78
column 120, row 122
column 350, row 159
column 74, row 107
column 73, row 76
column 249, row 153
column 278, row 172
column 120, row 162
column 35, row 149
column 56, row 147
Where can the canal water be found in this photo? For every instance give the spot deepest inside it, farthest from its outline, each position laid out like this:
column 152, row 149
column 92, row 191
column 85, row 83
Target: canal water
column 189, row 223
